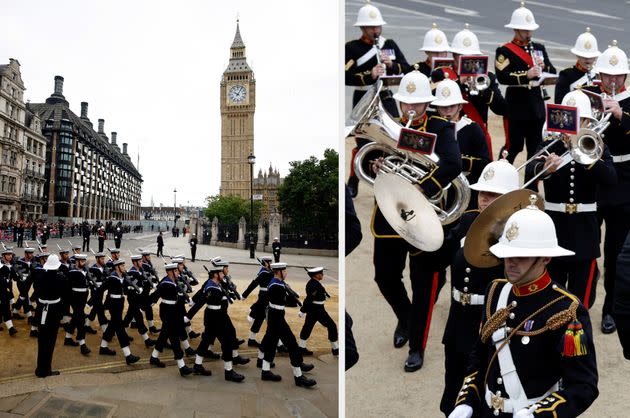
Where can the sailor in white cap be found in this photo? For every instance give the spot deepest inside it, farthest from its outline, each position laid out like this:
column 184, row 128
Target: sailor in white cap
column 137, row 288
column 7, row 276
column 99, row 272
column 315, row 311
column 535, row 355
column 24, row 266
column 79, row 283
column 258, row 311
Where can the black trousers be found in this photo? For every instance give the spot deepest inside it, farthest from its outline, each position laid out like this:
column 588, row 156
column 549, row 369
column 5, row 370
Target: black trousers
column 24, row 286
column 47, row 337
column 578, row 276
column 77, row 303
column 389, row 262
column 116, row 323
column 258, row 311
column 217, row 324
column 617, row 219
column 160, row 251
column 98, row 309
column 522, row 132
column 86, row 244
column 117, row 243
column 133, row 312
column 101, row 245
column 193, row 253
column 455, row 364
column 278, row 329
column 5, row 308
column 319, row 314
column 170, row 331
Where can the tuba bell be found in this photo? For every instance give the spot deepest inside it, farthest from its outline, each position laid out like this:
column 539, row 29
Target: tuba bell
column 369, row 120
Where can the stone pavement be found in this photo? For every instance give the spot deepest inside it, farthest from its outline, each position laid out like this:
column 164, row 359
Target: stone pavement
column 163, row 393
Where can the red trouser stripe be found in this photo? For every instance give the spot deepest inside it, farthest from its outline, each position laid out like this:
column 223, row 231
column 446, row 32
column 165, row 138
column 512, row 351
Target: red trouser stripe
column 589, row 283
column 436, row 276
column 507, row 136
column 354, row 153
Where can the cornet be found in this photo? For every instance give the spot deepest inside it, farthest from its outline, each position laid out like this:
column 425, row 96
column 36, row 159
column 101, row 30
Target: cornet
column 543, row 90
column 477, row 84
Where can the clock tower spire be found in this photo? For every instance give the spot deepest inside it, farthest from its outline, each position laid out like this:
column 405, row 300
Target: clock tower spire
column 238, row 103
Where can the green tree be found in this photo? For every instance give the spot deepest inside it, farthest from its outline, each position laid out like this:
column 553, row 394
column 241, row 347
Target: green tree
column 229, row 209
column 308, row 196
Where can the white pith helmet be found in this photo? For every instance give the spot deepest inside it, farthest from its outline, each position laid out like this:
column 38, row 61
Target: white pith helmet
column 369, row 16
column 612, row 61
column 465, row 42
column 529, row 232
column 448, row 93
column 522, row 18
column 435, row 41
column 580, row 100
column 414, row 88
column 586, row 45
column 497, row 177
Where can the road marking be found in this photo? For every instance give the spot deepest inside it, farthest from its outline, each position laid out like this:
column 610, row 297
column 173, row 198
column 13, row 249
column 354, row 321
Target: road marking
column 576, row 11
column 414, row 12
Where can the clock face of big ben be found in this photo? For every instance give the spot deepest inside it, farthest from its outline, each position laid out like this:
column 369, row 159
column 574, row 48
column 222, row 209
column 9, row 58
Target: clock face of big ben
column 237, row 94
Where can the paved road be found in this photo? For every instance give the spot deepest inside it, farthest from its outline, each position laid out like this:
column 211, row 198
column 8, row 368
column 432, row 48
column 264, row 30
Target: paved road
column 377, row 385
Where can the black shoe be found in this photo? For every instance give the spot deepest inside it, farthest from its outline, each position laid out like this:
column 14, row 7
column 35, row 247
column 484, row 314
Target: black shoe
column 232, row 376
column 211, row 355
column 304, row 381
column 17, row 316
column 306, row 367
column 149, row 343
column 353, row 186
column 200, row 370
column 70, row 342
column 156, row 362
column 51, row 373
column 190, row 351
column 154, row 330
column 259, row 363
column 401, row 335
column 240, row 360
column 193, row 334
column 282, row 349
column 34, row 333
column 240, row 341
column 130, row 338
column 253, row 343
column 89, row 330
column 268, row 375
column 185, row 371
column 107, row 351
column 305, row 351
column 335, row 351
column 608, row 324
column 414, row 361
column 130, row 359
column 85, row 350
column 12, row 331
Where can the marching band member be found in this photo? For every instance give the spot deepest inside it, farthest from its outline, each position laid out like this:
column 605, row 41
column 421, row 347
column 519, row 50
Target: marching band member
column 570, row 201
column 581, row 74
column 468, row 283
column 472, row 143
column 535, row 355
column 368, row 58
column 613, row 204
column 390, row 251
column 516, row 68
column 435, row 45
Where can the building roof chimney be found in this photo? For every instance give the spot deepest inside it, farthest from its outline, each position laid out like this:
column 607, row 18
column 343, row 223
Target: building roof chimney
column 124, row 148
column 114, row 135
column 84, row 110
column 101, row 126
column 58, row 86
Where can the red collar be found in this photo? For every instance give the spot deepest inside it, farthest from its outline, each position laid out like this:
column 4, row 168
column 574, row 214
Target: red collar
column 579, row 67
column 519, row 43
column 415, row 123
column 367, row 40
column 621, row 90
column 533, row 286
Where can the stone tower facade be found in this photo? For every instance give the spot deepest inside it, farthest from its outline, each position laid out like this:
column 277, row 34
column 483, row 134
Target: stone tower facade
column 238, row 103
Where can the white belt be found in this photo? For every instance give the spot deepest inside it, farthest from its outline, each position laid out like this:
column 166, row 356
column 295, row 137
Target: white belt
column 318, row 302
column 115, row 296
column 509, row 406
column 169, row 302
column 571, row 207
column 467, row 298
column 79, row 289
column 262, row 289
column 49, row 302
column 621, row 158
column 362, row 88
column 214, row 307
column 278, row 307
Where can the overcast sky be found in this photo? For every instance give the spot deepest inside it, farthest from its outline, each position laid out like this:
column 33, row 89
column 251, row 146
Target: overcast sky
column 152, row 68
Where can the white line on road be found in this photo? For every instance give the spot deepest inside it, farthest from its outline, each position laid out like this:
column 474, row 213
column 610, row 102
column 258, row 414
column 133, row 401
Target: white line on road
column 571, row 10
column 414, row 12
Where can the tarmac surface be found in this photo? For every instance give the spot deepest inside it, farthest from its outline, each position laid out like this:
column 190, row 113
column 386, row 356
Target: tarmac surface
column 104, row 386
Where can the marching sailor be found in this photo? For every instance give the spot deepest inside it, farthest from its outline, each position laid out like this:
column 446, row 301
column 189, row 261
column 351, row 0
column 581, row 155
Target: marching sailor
column 314, row 310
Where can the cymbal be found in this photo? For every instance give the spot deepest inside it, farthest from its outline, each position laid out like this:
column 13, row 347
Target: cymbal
column 408, row 212
column 486, row 229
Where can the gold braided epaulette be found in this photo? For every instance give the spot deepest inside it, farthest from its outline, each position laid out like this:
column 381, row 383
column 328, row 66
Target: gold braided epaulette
column 560, row 319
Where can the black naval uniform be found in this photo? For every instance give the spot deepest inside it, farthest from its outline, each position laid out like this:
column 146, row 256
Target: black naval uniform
column 277, row 326
column 114, row 302
column 468, row 285
column 577, row 229
column 525, row 117
column 49, row 286
column 571, row 79
column 150, row 274
column 79, row 287
column 98, row 310
column 622, row 298
column 474, row 150
column 553, row 341
column 135, row 299
column 217, row 322
column 24, row 283
column 258, row 310
column 7, row 276
column 613, row 204
column 315, row 311
column 168, row 291
column 390, row 251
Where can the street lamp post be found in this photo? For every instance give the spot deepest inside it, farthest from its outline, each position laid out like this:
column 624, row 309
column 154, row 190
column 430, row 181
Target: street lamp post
column 251, row 159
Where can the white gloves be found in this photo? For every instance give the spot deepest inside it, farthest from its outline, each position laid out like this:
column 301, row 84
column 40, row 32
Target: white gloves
column 301, row 314
column 526, row 412
column 461, row 411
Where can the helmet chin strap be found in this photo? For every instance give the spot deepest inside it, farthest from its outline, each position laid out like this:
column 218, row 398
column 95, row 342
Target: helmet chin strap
column 528, row 270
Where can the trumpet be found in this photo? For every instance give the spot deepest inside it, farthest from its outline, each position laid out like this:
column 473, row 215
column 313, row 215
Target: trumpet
column 378, row 52
column 477, row 84
column 543, row 90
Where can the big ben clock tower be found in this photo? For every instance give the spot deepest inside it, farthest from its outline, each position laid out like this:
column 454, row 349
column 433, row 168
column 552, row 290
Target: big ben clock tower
column 238, row 102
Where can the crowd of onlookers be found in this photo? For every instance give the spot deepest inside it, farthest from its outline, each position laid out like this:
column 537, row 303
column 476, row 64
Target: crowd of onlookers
column 42, row 230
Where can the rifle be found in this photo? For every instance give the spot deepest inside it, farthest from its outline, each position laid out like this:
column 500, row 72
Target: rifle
column 131, row 283
column 292, row 293
column 232, row 287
